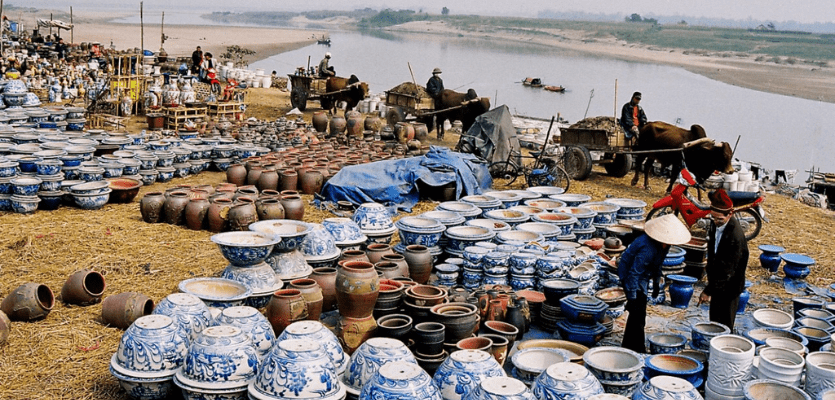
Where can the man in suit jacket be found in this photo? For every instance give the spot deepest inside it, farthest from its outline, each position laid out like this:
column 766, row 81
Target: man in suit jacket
column 727, row 252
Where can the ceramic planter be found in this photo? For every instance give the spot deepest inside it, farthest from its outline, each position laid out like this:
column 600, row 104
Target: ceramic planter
column 675, row 365
column 797, row 265
column 466, row 210
column 420, row 230
column 400, row 380
column 566, row 381
column 216, row 292
column 463, row 371
column 151, row 347
column 253, row 324
column 582, row 333
column 614, row 364
column 780, row 365
column 681, row 290
column 83, row 287
column 702, row 332
column 501, row 388
column 666, row 387
column 770, row 257
column 577, row 307
column 731, row 362
column 820, row 376
column 666, row 343
column 373, row 217
column 297, row 369
column 220, row 358
column 188, row 311
column 773, row 318
column 764, row 388
column 370, row 357
column 314, row 331
column 528, row 364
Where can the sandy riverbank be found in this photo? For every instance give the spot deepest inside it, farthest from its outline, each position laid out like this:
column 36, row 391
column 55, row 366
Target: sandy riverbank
column 803, row 81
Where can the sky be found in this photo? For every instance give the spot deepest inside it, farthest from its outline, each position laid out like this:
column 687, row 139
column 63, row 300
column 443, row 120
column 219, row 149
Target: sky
column 806, row 11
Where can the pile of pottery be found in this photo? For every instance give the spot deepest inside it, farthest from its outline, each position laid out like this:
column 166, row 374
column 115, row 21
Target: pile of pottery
column 619, row 370
column 246, row 252
column 375, row 223
column 583, row 316
column 357, row 288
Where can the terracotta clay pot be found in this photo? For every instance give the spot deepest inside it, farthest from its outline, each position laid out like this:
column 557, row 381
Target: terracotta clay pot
column 312, row 294
column 285, row 307
column 404, row 132
column 268, row 180
column 376, row 251
column 151, row 207
column 236, row 173
column 337, row 125
column 5, row 325
column 241, row 214
column 30, row 301
column 402, row 265
column 388, row 269
column 293, row 207
column 373, row 123
column 325, row 277
column 253, row 174
column 196, row 211
column 269, row 194
column 289, row 180
column 269, row 208
column 246, row 191
column 218, row 213
column 421, row 131
column 195, row 193
column 357, row 288
column 354, row 255
column 122, row 309
column 353, row 332
column 312, row 181
column 419, row 261
column 354, row 126
column 320, row 121
column 84, row 287
column 175, row 208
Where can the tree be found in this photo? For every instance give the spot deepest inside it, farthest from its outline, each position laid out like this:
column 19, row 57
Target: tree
column 445, row 11
column 634, row 18
column 771, row 26
column 682, row 22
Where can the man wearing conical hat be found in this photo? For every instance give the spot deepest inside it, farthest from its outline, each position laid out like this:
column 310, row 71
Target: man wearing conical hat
column 641, row 261
column 727, row 259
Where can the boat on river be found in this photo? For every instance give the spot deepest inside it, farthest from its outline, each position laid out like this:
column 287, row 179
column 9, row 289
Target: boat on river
column 558, row 89
column 532, row 82
column 324, row 40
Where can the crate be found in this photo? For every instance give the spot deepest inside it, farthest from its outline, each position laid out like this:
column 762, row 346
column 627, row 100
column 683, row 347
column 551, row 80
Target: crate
column 176, row 117
column 229, row 110
column 107, row 121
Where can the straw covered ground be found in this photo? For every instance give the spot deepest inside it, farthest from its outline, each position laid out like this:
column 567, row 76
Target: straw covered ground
column 66, row 355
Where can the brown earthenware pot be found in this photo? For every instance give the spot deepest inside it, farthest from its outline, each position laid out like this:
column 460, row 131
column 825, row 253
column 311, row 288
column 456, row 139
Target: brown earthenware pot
column 84, row 287
column 285, row 307
column 30, row 301
column 353, row 332
column 402, row 265
column 218, row 213
column 175, row 208
column 269, row 208
column 419, row 261
column 122, row 309
column 376, row 251
column 312, row 181
column 253, row 175
column 326, row 278
column 268, row 180
column 312, row 294
column 241, row 214
column 293, row 207
column 357, row 288
column 151, row 207
column 236, row 173
column 289, row 179
column 354, row 255
column 196, row 211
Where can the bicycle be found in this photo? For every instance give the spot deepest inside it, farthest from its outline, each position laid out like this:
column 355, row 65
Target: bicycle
column 546, row 171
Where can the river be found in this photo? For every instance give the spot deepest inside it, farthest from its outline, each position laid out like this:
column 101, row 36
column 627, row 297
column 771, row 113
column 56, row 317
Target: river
column 779, row 132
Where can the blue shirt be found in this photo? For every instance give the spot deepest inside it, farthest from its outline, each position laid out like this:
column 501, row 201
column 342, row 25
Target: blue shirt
column 641, row 261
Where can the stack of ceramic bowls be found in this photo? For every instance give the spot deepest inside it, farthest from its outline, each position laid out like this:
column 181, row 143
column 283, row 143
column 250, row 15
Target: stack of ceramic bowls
column 286, row 260
column 319, row 248
column 8, row 170
column 548, row 205
column 674, row 262
column 619, row 370
column 347, row 235
column 555, row 290
column 51, row 176
column 508, row 198
column 419, row 230
column 24, row 198
column 466, row 210
column 483, row 202
column 463, row 236
column 522, row 270
column 188, row 311
column 583, row 316
column 447, row 218
column 605, row 216
column 246, row 252
column 630, row 209
column 375, row 222
column 149, row 354
column 473, row 271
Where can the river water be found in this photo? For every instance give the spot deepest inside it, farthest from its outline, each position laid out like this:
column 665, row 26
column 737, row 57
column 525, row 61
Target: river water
column 779, row 132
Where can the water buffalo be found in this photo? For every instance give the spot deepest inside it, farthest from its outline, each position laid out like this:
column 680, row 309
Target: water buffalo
column 356, row 91
column 473, row 106
column 702, row 158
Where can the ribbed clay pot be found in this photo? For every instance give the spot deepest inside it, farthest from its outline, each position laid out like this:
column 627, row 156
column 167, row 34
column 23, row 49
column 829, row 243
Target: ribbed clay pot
column 285, row 307
column 253, row 174
column 151, row 207
column 30, row 301
column 353, row 332
column 326, row 278
column 312, row 181
column 242, row 214
column 84, row 287
column 196, row 211
column 217, row 214
column 357, row 288
column 419, row 260
column 293, row 207
column 289, row 180
column 236, row 173
column 175, row 208
column 402, row 265
column 376, row 251
column 269, row 208
column 122, row 309
column 320, row 121
column 312, row 294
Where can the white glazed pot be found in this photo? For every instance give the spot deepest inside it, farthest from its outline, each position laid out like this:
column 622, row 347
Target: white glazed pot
column 773, row 318
column 731, row 362
column 781, row 365
column 820, row 372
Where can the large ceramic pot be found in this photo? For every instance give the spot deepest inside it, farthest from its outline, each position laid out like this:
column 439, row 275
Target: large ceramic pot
column 268, row 180
column 175, row 208
column 325, row 277
column 820, row 376
column 241, row 214
column 780, row 365
column 400, row 380
column 269, row 209
column 463, row 371
column 285, row 307
column 337, row 125
column 311, row 182
column 797, row 265
column 614, row 364
column 253, row 324
column 567, row 381
column 320, row 121
column 236, row 173
column 153, row 343
column 760, row 389
column 151, row 207
column 666, row 343
column 314, row 331
column 188, row 311
column 353, row 332
column 681, row 290
column 221, row 357
column 300, row 368
column 460, row 319
column 666, row 387
column 501, row 387
column 731, row 361
column 29, row 302
column 289, row 180
column 675, row 365
column 84, row 287
column 370, row 357
column 217, row 214
column 357, row 288
column 701, row 334
column 770, row 257
column 312, row 294
column 293, row 207
column 195, row 213
column 122, row 309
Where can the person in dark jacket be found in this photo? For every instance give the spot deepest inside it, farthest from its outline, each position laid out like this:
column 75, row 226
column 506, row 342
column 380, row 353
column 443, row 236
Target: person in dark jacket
column 435, row 86
column 632, row 117
column 326, row 71
column 727, row 260
column 196, row 60
column 641, row 262
column 61, row 49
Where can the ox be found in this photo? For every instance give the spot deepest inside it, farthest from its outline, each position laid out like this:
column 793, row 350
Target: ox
column 471, row 107
column 702, row 157
column 350, row 90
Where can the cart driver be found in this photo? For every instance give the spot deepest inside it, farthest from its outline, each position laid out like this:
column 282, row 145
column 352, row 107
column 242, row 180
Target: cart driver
column 324, row 70
column 632, row 117
column 435, row 86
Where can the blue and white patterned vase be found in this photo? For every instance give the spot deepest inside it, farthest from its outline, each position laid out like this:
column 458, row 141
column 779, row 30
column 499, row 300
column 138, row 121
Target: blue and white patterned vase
column 373, row 217
column 319, row 244
column 368, row 359
column 473, row 256
column 298, row 369
column 566, row 381
column 221, row 357
column 463, row 371
column 253, row 324
column 521, row 282
column 343, row 229
column 400, row 380
column 152, row 344
column 490, row 279
column 496, row 263
column 500, row 388
column 314, row 331
column 191, row 314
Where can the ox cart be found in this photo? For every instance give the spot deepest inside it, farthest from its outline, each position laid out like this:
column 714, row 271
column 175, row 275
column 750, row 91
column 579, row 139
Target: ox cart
column 415, row 103
column 310, row 87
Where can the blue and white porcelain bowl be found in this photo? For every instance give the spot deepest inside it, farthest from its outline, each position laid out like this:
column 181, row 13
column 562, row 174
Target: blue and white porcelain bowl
column 343, row 229
column 314, row 331
column 513, row 236
column 550, row 263
column 493, row 224
column 164, row 158
column 89, row 173
column 566, row 380
column 463, row 371
column 95, row 187
column 571, row 199
column 606, row 212
column 165, row 174
column 548, row 231
column 76, row 125
column 510, row 217
column 473, row 256
column 299, row 368
column 400, row 380
column 253, row 324
column 484, row 202
column 501, row 388
column 92, row 201
column 563, row 221
column 112, row 169
column 51, row 183
column 373, row 217
column 420, row 230
column 48, row 166
column 24, row 204
column 529, row 363
column 291, row 232
column 461, row 237
column 508, row 199
column 220, row 357
column 155, row 388
column 260, row 278
column 669, row 387
column 153, row 346
column 368, row 359
column 495, row 262
column 223, row 151
column 222, row 164
column 614, row 364
column 188, row 311
column 130, row 166
column 702, row 332
column 522, row 281
column 149, row 176
column 8, row 169
column 319, row 245
column 24, row 186
column 182, row 170
column 547, row 205
column 545, row 191
column 585, row 216
column 147, row 162
column 216, row 292
column 245, row 248
column 466, row 210
column 628, row 207
column 447, row 218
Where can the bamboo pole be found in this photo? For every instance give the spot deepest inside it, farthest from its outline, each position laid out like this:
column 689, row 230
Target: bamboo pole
column 142, row 28
column 50, row 26
column 72, row 28
column 1, row 22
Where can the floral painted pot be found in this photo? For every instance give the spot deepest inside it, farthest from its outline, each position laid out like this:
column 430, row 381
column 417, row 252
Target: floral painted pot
column 420, row 230
column 260, row 278
column 400, row 380
column 344, row 230
column 605, row 213
column 466, row 210
column 463, row 371
column 508, row 198
column 298, row 368
column 286, row 260
column 152, row 347
column 319, row 245
column 245, row 248
column 515, row 236
column 501, row 388
column 571, row 199
column 314, row 331
column 528, row 364
column 188, row 311
column 510, row 217
column 253, row 324
column 373, row 217
column 221, row 357
column 370, row 357
column 549, row 205
column 702, row 332
column 137, row 388
column 566, row 380
column 565, row 222
column 483, row 202
column 460, row 237
column 614, row 364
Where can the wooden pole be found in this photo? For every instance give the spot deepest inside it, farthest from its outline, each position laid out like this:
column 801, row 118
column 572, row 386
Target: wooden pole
column 616, row 99
column 72, row 29
column 162, row 31
column 141, row 27
column 412, row 73
column 50, row 26
column 1, row 19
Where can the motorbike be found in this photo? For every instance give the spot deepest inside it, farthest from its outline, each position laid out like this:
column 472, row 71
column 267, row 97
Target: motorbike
column 211, row 79
column 747, row 207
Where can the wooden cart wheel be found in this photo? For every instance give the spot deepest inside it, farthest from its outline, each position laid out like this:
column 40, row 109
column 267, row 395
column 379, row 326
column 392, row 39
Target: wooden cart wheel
column 298, row 98
column 395, row 115
column 577, row 162
column 620, row 166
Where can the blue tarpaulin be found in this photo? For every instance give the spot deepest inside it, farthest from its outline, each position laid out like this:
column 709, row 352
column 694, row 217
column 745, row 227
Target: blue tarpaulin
column 395, row 182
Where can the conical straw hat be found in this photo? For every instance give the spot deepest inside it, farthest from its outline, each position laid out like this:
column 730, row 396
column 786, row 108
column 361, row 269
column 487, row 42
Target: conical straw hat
column 667, row 229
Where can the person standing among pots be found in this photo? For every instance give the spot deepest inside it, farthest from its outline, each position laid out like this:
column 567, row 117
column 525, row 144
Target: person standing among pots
column 641, row 261
column 727, row 260
column 196, row 60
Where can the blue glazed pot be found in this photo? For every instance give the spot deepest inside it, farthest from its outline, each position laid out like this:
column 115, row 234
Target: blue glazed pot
column 566, row 381
column 588, row 309
column 314, row 331
column 681, row 290
column 666, row 343
column 253, row 324
column 770, row 257
column 666, row 387
column 702, row 332
column 24, row 204
column 25, row 186
column 675, row 365
column 585, row 334
column 400, row 380
column 797, row 265
column 744, row 297
column 188, row 311
column 50, row 200
column 420, row 230
column 244, row 248
column 462, row 372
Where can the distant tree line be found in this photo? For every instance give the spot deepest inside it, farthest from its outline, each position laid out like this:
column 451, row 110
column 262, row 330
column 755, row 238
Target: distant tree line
column 637, row 18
